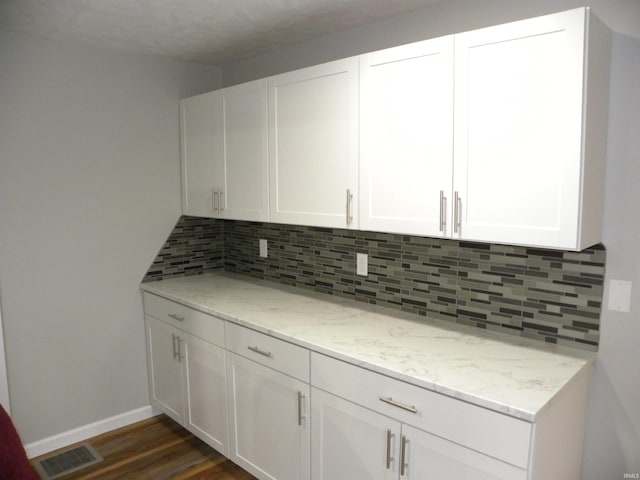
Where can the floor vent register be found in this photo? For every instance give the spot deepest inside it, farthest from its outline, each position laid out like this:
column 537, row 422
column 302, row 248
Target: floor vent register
column 67, row 462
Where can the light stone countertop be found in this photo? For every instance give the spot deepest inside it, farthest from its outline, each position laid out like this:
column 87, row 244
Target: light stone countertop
column 504, row 373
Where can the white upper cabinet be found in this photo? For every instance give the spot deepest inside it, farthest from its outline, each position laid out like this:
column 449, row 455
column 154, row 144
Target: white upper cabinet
column 494, row 135
column 243, row 153
column 530, row 131
column 225, row 153
column 198, row 124
column 313, row 145
column 406, row 138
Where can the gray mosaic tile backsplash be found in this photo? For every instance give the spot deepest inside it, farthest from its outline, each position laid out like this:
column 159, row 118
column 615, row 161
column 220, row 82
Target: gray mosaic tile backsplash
column 194, row 246
column 551, row 295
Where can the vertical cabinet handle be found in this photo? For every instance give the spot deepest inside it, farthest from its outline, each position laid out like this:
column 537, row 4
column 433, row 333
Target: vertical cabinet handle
column 443, row 211
column 213, row 201
column 300, row 409
column 220, row 201
column 216, row 209
column 173, row 344
column 403, row 455
column 175, row 340
column 179, row 348
column 389, row 457
column 457, row 213
column 349, row 198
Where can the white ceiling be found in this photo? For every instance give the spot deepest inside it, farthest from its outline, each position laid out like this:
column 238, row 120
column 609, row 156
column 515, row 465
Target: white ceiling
column 204, row 31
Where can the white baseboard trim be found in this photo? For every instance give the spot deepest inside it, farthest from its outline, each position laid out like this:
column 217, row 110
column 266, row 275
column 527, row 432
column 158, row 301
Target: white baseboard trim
column 79, row 434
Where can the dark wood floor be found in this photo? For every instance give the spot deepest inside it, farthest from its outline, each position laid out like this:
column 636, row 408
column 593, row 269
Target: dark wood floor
column 156, row 449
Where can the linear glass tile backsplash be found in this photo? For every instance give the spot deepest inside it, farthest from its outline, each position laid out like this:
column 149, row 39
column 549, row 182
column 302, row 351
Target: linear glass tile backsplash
column 551, row 295
column 194, row 246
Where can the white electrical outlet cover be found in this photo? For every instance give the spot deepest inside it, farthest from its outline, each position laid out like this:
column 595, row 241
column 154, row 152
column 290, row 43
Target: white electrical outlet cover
column 362, row 267
column 263, row 247
column 619, row 296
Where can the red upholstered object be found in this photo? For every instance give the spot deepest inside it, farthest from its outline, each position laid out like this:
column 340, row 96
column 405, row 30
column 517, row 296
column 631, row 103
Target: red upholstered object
column 14, row 464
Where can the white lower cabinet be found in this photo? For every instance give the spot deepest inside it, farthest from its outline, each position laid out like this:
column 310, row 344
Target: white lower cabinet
column 350, row 441
column 367, row 425
column 429, row 456
column 269, row 424
column 166, row 373
column 268, row 405
column 188, row 374
column 206, row 414
column 282, row 412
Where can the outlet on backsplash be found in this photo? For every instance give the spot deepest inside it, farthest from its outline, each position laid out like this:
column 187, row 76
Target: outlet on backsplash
column 362, row 264
column 263, row 247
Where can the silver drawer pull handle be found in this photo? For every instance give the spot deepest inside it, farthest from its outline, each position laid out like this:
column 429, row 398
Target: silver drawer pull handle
column 177, row 317
column 264, row 353
column 391, row 401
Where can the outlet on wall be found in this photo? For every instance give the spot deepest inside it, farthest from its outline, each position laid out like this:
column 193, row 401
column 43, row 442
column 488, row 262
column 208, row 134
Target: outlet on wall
column 619, row 296
column 262, row 243
column 362, row 264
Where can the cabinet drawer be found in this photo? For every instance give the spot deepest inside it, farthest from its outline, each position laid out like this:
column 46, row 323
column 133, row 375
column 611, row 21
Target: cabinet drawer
column 271, row 352
column 196, row 323
column 491, row 433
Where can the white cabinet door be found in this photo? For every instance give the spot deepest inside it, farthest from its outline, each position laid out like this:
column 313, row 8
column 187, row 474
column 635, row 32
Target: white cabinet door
column 351, row 442
column 428, row 456
column 225, row 154
column 242, row 155
column 269, row 425
column 406, row 138
column 205, row 375
column 199, row 124
column 518, row 131
column 313, row 145
column 188, row 381
column 165, row 370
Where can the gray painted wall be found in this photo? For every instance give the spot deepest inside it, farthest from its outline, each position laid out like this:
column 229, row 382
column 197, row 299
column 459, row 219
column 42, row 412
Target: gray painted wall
column 613, row 430
column 451, row 16
column 89, row 191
